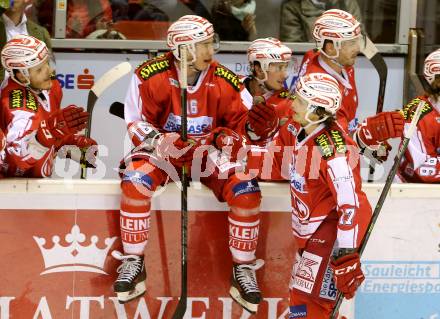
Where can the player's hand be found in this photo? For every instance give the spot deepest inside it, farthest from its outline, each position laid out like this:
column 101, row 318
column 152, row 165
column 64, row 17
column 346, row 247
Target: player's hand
column 381, row 127
column 263, row 120
column 348, row 274
column 171, row 147
column 227, row 141
column 87, row 153
column 62, row 123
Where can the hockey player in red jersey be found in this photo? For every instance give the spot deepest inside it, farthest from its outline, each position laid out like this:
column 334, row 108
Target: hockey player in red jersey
column 339, row 39
column 215, row 114
column 270, row 62
column 330, row 213
column 421, row 162
column 31, row 118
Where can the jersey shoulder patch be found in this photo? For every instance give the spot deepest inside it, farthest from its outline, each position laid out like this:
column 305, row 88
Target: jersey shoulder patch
column 410, row 109
column 151, row 67
column 229, row 76
column 22, row 98
column 331, row 142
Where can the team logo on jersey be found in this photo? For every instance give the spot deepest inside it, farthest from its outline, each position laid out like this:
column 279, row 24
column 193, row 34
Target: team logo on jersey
column 339, row 141
column 229, row 76
column 152, row 67
column 410, row 109
column 31, row 103
column 324, row 145
column 286, row 95
column 16, row 98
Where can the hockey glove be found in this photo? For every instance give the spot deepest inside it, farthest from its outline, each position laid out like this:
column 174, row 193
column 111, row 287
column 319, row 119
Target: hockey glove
column 171, row 147
column 348, row 274
column 227, row 141
column 380, row 127
column 62, row 123
column 88, row 150
column 262, row 121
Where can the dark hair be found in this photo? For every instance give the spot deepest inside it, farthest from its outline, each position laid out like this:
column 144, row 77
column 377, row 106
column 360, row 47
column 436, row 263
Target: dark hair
column 321, row 112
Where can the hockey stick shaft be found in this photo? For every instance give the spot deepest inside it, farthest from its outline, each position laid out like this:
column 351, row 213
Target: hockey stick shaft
column 384, row 193
column 181, row 306
column 105, row 81
column 372, row 53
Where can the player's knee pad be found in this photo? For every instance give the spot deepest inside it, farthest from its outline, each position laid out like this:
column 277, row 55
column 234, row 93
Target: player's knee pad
column 242, row 195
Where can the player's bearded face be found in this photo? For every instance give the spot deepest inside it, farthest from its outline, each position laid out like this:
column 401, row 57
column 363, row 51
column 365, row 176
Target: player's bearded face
column 40, row 76
column 349, row 51
column 204, row 54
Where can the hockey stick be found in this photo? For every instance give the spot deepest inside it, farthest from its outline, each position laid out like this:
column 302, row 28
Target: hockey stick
column 407, row 136
column 372, row 53
column 110, row 77
column 181, row 306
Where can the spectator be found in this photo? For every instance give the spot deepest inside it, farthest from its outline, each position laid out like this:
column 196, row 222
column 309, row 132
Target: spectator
column 84, row 17
column 234, row 20
column 298, row 16
column 137, row 10
column 14, row 22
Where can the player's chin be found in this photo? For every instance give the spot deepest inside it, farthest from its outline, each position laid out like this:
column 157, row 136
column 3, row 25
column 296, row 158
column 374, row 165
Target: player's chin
column 46, row 85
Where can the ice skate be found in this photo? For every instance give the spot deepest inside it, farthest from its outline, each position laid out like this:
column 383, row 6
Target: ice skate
column 131, row 279
column 244, row 289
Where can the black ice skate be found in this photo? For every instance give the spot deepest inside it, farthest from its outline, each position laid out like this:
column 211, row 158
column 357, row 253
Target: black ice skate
column 244, row 289
column 131, row 279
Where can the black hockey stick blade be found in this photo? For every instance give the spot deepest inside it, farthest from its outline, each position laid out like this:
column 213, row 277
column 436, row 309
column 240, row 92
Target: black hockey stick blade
column 383, row 195
column 117, row 109
column 179, row 313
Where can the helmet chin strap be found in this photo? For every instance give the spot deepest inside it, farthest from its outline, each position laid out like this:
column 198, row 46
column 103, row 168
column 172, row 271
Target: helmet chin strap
column 310, row 111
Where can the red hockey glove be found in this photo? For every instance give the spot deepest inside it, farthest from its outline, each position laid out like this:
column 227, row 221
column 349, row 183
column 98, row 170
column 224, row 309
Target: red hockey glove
column 262, row 120
column 170, row 146
column 348, row 274
column 380, row 127
column 67, row 121
column 227, row 141
column 87, row 146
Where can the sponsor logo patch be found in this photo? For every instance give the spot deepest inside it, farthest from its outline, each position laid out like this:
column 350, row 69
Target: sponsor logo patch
column 138, row 178
column 229, row 76
column 324, row 145
column 31, row 103
column 328, row 288
column 305, row 276
column 339, row 141
column 16, row 98
column 410, row 109
column 286, row 95
column 246, row 188
column 298, row 312
column 195, row 125
column 297, row 181
column 152, row 67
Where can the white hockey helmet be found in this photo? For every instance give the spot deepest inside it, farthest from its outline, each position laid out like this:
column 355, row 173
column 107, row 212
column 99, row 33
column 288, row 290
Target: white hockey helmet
column 23, row 52
column 189, row 30
column 267, row 51
column 337, row 26
column 319, row 90
column 431, row 66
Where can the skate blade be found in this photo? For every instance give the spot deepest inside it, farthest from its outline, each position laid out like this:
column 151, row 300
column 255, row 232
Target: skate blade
column 127, row 296
column 250, row 307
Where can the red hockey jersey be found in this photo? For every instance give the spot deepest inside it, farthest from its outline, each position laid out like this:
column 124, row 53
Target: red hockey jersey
column 347, row 113
column 214, row 101
column 324, row 174
column 421, row 162
column 22, row 110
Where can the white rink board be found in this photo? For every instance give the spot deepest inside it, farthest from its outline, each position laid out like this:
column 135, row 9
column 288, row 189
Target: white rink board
column 401, row 263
